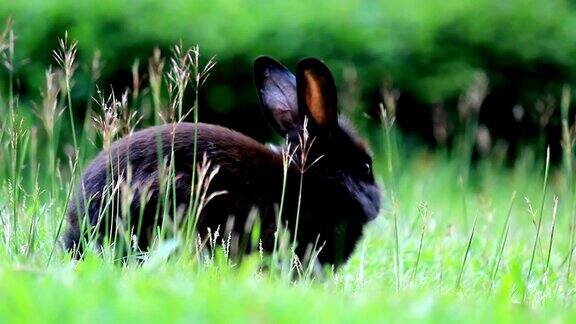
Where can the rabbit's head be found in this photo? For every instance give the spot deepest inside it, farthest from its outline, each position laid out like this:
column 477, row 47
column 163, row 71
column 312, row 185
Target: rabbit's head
column 338, row 163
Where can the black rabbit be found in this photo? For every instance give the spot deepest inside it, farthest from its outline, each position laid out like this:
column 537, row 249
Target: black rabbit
column 339, row 194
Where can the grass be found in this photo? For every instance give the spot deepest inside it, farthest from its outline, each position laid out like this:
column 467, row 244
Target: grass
column 422, row 259
column 213, row 289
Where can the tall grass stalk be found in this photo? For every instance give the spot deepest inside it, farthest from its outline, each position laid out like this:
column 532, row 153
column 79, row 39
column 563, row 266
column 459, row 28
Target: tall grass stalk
column 388, row 116
column 424, row 216
column 177, row 77
column 33, row 226
column 534, row 220
column 304, row 137
column 96, row 67
column 541, row 213
column 388, row 119
column 502, row 242
column 7, row 50
column 108, row 126
column 398, row 264
column 568, row 140
column 66, row 57
column 467, row 253
column 297, row 222
column 200, row 74
column 49, row 114
column 17, row 134
column 155, row 75
column 552, row 229
column 18, row 140
column 305, row 145
column 73, row 167
column 287, row 158
column 469, row 109
column 88, row 133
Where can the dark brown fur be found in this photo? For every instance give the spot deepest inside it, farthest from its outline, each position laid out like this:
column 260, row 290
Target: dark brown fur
column 339, row 194
column 247, row 182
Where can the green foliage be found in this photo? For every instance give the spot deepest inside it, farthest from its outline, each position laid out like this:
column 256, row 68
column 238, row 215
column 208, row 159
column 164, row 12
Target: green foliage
column 430, row 50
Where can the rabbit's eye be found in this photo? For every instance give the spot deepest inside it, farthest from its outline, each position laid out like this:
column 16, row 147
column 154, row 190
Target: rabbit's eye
column 367, row 169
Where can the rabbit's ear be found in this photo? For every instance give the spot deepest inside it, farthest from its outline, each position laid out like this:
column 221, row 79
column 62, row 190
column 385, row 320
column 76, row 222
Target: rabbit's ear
column 317, row 97
column 277, row 90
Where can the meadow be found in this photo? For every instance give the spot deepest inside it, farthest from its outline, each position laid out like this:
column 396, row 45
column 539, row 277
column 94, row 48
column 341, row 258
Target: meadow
column 457, row 239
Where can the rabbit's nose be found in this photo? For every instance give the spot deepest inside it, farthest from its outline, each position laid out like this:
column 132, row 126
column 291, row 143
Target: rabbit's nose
column 370, row 202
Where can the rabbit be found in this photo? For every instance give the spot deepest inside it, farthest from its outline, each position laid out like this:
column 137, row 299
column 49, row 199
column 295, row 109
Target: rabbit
column 337, row 197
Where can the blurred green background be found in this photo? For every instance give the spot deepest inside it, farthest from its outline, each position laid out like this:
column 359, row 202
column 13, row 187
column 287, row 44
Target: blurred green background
column 431, row 52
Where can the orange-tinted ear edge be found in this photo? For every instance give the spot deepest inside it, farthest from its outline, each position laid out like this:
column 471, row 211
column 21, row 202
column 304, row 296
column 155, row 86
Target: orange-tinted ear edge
column 317, row 96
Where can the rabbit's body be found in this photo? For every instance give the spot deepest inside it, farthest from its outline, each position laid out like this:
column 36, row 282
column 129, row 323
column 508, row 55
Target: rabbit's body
column 248, row 183
column 338, row 194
